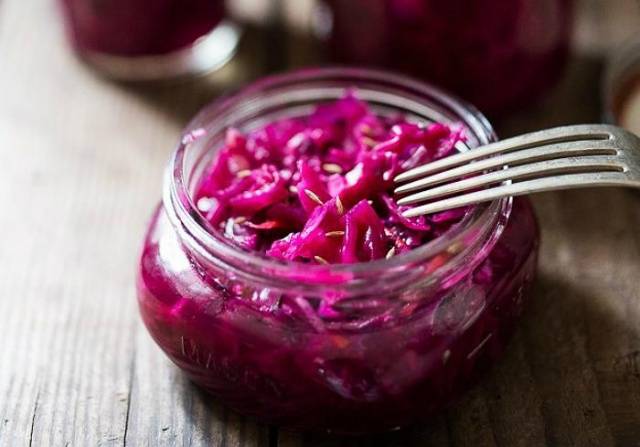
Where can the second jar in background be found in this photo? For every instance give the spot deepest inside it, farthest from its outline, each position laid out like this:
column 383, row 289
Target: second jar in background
column 142, row 40
column 499, row 55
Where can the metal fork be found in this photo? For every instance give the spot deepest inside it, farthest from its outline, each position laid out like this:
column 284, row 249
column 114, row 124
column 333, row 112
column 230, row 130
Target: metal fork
column 559, row 158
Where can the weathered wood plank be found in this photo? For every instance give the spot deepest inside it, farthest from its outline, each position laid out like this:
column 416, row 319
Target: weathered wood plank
column 82, row 162
column 435, row 434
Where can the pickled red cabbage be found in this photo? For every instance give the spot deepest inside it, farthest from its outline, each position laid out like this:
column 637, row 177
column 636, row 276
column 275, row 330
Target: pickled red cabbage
column 318, row 188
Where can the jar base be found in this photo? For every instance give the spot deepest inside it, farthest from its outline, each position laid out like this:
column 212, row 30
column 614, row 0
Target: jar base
column 206, row 54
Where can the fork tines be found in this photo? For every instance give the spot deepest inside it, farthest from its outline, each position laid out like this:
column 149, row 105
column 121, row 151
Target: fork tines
column 571, row 156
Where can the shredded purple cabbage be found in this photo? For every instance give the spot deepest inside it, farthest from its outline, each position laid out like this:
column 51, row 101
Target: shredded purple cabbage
column 318, row 188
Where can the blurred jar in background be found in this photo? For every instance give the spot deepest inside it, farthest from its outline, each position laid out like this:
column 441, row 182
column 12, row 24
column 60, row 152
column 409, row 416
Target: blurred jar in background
column 621, row 86
column 498, row 54
column 150, row 39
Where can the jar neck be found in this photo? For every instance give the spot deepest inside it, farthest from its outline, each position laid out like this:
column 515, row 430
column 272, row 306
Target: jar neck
column 296, row 94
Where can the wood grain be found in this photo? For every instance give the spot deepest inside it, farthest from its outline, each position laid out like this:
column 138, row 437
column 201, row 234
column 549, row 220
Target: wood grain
column 82, row 161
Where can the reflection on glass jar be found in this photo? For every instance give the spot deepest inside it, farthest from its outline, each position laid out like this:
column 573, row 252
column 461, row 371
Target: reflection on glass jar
column 407, row 335
column 140, row 39
column 498, row 55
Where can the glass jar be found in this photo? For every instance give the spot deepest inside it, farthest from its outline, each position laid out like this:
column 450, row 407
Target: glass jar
column 621, row 86
column 499, row 55
column 150, row 40
column 407, row 334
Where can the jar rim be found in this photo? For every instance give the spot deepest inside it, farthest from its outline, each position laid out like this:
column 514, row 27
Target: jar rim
column 184, row 214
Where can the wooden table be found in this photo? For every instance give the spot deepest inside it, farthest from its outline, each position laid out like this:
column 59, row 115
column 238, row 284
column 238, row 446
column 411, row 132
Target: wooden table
column 81, row 169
